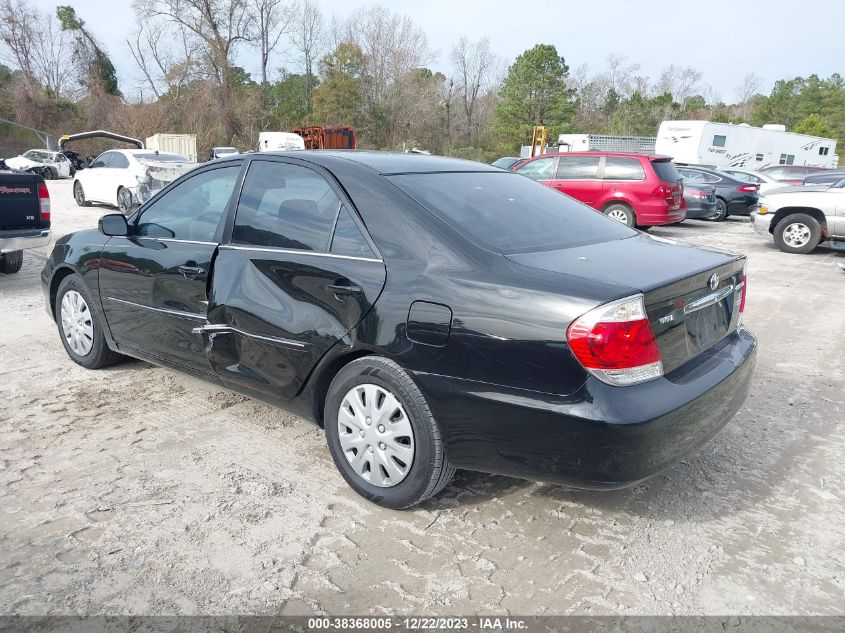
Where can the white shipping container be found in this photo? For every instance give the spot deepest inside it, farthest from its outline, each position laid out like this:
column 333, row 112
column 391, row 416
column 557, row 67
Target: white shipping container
column 182, row 144
column 742, row 146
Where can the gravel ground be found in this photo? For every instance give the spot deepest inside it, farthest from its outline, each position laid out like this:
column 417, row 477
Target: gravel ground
column 136, row 490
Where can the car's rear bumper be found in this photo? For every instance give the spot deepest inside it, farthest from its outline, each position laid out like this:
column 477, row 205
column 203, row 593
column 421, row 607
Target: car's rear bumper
column 19, row 240
column 647, row 215
column 701, row 210
column 601, row 436
column 743, row 205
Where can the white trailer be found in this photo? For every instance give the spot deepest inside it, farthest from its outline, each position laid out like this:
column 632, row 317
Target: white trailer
column 279, row 142
column 729, row 145
column 605, row 143
column 182, row 144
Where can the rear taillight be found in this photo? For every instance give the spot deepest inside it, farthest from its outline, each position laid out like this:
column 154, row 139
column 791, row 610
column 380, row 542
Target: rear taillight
column 44, row 200
column 742, row 295
column 662, row 191
column 748, row 188
column 615, row 343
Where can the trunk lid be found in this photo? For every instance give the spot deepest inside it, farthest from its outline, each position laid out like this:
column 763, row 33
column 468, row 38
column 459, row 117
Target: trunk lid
column 687, row 311
column 19, row 204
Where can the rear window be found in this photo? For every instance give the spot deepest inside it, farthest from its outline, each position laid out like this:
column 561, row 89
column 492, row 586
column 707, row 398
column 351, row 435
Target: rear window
column 508, row 214
column 665, row 170
column 578, row 167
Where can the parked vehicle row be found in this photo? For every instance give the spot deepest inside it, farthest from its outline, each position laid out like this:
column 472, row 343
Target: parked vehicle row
column 635, row 189
column 388, row 298
column 733, row 196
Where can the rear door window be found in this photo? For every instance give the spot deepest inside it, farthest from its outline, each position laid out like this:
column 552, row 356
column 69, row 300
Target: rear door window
column 285, row 206
column 348, row 239
column 578, row 168
column 118, row 161
column 540, row 169
column 618, row 168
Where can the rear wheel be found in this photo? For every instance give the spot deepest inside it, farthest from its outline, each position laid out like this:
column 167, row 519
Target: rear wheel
column 382, row 435
column 79, row 326
column 721, row 211
column 124, row 200
column 798, row 233
column 79, row 195
column 11, row 262
column 621, row 213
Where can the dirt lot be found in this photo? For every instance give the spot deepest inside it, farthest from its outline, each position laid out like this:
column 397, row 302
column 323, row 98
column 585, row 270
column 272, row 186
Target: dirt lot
column 137, row 490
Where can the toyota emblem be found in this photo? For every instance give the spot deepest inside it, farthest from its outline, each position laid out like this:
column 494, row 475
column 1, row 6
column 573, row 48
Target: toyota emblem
column 713, row 282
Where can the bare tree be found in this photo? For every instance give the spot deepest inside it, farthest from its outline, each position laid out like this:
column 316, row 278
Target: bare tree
column 745, row 92
column 34, row 43
column 167, row 56
column 273, row 18
column 308, row 38
column 681, row 83
column 219, row 26
column 474, row 64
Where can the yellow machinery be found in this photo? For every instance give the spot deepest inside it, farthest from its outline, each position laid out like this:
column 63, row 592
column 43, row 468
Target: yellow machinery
column 539, row 137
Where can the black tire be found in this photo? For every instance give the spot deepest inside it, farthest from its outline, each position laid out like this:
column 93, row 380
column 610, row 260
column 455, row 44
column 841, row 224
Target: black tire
column 100, row 355
column 794, row 223
column 79, row 195
column 124, row 200
column 11, row 262
column 619, row 210
column 50, row 174
column 430, row 470
column 721, row 211
column 72, row 171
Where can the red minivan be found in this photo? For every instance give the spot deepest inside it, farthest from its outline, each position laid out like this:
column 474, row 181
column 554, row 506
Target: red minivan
column 637, row 189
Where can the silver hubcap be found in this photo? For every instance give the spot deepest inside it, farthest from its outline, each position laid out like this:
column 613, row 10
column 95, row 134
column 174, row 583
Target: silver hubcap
column 376, row 435
column 619, row 215
column 796, row 235
column 80, row 197
column 77, row 324
column 123, row 201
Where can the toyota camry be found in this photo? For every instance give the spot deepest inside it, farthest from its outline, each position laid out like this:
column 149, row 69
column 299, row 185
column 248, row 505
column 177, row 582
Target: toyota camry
column 428, row 313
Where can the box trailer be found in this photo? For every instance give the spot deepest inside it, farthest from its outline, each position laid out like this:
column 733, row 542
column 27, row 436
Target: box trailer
column 729, row 145
column 605, row 143
column 279, row 142
column 182, row 144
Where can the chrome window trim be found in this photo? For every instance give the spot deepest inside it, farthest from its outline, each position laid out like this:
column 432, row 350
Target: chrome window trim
column 708, row 300
column 290, row 251
column 222, row 328
column 171, row 239
column 176, row 313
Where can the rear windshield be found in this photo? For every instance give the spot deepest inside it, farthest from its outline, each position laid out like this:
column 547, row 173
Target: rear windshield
column 508, row 213
column 160, row 158
column 665, row 170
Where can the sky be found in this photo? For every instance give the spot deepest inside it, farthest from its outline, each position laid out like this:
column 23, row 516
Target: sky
column 725, row 39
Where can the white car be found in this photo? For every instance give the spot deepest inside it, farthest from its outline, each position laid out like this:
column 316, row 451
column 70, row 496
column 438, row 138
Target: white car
column 49, row 165
column 798, row 218
column 125, row 178
column 767, row 183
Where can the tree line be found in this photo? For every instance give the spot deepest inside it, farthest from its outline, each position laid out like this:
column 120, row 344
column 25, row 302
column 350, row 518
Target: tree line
column 371, row 70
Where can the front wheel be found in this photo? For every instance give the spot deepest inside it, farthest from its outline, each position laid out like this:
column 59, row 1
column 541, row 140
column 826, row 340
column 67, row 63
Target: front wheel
column 621, row 213
column 79, row 326
column 382, row 435
column 11, row 262
column 798, row 233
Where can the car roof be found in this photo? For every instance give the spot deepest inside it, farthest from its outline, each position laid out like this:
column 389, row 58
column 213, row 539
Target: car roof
column 610, row 154
column 389, row 162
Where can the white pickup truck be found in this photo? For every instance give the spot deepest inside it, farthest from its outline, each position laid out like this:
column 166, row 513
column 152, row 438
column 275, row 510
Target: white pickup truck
column 799, row 218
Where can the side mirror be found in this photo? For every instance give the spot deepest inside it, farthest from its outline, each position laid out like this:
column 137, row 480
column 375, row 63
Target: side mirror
column 113, row 225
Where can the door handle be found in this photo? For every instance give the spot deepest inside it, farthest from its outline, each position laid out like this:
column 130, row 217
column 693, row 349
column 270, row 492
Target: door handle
column 191, row 271
column 344, row 288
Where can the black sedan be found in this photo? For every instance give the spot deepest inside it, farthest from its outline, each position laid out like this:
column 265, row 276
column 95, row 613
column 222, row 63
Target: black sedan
column 429, row 313
column 733, row 196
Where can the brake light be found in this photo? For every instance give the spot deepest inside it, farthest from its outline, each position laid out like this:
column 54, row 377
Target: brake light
column 748, row 188
column 744, row 292
column 44, row 201
column 662, row 191
column 616, row 344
